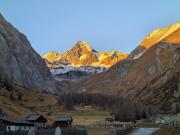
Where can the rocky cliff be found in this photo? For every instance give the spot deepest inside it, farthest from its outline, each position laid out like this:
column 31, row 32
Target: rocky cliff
column 19, row 63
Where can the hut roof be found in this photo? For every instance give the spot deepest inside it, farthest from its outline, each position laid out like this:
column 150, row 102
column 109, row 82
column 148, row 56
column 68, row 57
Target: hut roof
column 15, row 121
column 63, row 118
column 34, row 118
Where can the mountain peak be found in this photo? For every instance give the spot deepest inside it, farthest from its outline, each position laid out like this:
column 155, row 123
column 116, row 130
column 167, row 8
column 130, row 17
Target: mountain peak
column 83, row 54
column 84, row 45
column 168, row 34
column 52, row 56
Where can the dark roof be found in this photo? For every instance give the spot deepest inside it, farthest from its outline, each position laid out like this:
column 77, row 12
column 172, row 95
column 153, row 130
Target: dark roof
column 63, row 118
column 36, row 118
column 33, row 117
column 15, row 121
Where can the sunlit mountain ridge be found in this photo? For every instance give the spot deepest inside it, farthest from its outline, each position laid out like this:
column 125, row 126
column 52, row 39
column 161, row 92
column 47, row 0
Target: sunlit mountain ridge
column 82, row 54
column 169, row 34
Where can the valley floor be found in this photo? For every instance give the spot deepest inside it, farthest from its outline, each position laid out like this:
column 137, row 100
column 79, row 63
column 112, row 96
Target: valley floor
column 21, row 102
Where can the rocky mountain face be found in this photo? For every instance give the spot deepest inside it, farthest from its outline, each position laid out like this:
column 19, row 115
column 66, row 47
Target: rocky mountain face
column 150, row 75
column 19, row 63
column 81, row 62
column 82, row 54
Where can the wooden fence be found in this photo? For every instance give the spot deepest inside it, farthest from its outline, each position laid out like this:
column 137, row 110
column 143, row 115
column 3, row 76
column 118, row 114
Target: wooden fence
column 108, row 125
column 16, row 133
column 64, row 131
column 77, row 130
column 123, row 131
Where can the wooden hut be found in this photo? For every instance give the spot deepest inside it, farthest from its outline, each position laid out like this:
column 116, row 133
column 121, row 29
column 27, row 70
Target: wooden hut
column 38, row 120
column 12, row 124
column 63, row 121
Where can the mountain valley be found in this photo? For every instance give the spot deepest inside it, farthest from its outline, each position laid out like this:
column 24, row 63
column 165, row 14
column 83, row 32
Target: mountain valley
column 147, row 80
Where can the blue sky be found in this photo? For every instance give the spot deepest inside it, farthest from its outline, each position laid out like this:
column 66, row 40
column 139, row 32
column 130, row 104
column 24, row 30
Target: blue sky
column 106, row 24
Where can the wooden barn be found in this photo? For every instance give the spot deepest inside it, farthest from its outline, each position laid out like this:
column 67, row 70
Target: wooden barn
column 37, row 120
column 15, row 125
column 63, row 121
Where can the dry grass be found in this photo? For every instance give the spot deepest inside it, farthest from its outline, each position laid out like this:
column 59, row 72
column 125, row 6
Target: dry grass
column 147, row 124
column 87, row 115
column 31, row 101
column 46, row 104
column 94, row 131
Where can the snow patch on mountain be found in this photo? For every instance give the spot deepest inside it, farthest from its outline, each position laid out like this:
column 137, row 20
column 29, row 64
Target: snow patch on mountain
column 59, row 69
column 138, row 55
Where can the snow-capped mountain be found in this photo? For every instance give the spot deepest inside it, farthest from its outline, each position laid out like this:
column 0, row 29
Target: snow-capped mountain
column 81, row 61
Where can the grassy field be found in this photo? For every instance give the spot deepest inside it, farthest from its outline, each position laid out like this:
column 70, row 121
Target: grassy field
column 98, row 131
column 84, row 115
column 22, row 102
column 31, row 102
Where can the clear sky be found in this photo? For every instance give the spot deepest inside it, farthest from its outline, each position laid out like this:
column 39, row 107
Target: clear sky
column 105, row 24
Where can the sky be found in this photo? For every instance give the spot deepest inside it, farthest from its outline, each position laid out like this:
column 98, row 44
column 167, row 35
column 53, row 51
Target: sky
column 56, row 25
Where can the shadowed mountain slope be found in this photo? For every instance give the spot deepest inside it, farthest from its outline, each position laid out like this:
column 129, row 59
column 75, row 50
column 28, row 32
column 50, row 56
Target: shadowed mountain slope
column 19, row 62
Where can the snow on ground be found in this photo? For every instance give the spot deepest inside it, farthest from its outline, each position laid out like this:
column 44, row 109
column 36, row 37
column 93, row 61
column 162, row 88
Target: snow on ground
column 62, row 69
column 138, row 55
column 144, row 131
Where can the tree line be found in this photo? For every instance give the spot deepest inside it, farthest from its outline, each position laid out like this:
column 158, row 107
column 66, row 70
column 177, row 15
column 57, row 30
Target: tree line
column 123, row 108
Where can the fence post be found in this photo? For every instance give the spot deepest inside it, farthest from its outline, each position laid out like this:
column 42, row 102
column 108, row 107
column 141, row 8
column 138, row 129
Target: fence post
column 32, row 131
column 124, row 126
column 58, row 131
column 112, row 131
